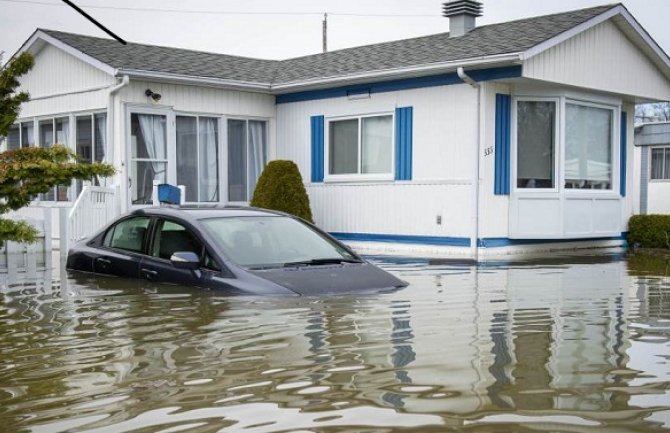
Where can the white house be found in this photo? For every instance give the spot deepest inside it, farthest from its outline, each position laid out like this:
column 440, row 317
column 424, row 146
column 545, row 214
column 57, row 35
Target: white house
column 485, row 141
column 652, row 153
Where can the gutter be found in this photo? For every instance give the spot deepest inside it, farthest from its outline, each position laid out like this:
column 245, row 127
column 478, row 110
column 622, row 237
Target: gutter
column 474, row 245
column 109, row 157
column 315, row 83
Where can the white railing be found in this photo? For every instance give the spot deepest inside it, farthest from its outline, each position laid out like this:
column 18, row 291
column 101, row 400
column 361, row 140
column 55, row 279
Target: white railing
column 94, row 208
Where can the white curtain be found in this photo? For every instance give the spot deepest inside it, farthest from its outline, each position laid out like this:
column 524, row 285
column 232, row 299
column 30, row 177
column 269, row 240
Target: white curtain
column 100, row 136
column 588, row 146
column 153, row 134
column 209, row 173
column 377, row 144
column 63, row 131
column 257, row 153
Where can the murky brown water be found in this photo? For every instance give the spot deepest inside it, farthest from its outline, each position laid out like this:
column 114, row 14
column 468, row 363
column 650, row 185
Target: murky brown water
column 555, row 347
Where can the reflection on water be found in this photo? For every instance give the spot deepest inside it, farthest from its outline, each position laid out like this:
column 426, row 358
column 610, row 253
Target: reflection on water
column 571, row 346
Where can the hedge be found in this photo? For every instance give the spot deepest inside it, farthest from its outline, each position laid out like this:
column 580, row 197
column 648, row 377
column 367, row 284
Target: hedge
column 280, row 188
column 649, row 231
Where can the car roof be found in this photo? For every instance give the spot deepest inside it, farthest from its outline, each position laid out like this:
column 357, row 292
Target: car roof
column 198, row 213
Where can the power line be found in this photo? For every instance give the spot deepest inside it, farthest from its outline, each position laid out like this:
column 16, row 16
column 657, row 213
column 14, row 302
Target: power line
column 218, row 12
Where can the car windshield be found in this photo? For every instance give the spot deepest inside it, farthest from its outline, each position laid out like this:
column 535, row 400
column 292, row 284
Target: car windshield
column 270, row 241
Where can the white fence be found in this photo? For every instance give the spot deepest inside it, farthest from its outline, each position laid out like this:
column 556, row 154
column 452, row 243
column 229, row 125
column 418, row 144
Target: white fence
column 32, row 257
column 94, row 208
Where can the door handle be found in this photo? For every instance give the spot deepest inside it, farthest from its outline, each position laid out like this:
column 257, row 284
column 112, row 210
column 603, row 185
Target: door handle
column 103, row 260
column 149, row 273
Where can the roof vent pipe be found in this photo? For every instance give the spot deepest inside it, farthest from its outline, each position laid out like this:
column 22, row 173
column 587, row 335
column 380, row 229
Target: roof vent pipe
column 462, row 15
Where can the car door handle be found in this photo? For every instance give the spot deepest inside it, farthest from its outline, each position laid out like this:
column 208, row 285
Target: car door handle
column 103, row 261
column 148, row 273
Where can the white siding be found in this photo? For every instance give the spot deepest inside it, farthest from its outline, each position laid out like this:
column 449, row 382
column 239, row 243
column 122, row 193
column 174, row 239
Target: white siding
column 601, row 58
column 60, row 83
column 57, row 72
column 659, row 197
column 199, row 99
column 494, row 209
column 444, row 143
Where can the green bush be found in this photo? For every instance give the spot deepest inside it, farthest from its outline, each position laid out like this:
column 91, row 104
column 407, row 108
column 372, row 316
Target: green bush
column 649, row 231
column 280, row 188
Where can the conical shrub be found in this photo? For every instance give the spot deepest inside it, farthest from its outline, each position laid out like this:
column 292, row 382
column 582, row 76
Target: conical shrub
column 280, row 188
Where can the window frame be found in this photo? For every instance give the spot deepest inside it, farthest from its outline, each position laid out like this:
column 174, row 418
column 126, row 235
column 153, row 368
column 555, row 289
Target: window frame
column 614, row 145
column 358, row 177
column 666, row 149
column 557, row 143
column 224, row 158
column 219, row 149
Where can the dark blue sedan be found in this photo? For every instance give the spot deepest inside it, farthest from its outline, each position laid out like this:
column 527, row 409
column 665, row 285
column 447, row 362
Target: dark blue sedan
column 238, row 250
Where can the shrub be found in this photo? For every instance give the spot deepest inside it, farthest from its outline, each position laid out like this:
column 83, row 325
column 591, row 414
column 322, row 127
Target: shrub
column 280, row 188
column 649, row 231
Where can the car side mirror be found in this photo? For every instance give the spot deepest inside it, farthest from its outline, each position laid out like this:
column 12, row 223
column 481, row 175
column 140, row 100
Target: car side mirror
column 185, row 260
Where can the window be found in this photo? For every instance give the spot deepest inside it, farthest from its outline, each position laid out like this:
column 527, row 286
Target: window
column 148, row 150
column 198, row 157
column 247, row 156
column 128, row 234
column 21, row 135
column 54, row 131
column 362, row 145
column 91, row 131
column 660, row 163
column 536, row 144
column 172, row 237
column 588, row 147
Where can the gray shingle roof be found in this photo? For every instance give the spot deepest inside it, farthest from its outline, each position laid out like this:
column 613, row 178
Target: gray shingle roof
column 170, row 60
column 503, row 38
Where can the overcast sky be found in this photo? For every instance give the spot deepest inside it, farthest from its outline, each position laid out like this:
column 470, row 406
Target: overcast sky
column 278, row 30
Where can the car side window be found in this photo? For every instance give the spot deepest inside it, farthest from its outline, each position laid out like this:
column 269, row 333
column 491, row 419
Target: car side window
column 172, row 237
column 127, row 234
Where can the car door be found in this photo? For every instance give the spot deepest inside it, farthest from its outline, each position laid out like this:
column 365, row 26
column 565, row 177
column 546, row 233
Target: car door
column 169, row 237
column 122, row 248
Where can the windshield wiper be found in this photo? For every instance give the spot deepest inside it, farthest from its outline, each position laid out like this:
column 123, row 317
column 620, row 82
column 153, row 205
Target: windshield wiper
column 325, row 261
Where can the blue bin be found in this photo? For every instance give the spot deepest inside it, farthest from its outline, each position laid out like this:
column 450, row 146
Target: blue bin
column 169, row 194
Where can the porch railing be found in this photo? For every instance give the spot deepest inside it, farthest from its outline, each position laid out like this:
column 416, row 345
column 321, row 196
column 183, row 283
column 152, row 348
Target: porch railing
column 94, row 208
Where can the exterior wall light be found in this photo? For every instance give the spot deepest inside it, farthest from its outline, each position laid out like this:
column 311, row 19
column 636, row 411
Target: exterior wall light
column 153, row 95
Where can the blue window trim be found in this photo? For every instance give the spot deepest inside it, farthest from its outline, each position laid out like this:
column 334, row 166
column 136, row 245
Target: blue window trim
column 462, row 242
column 403, row 143
column 399, row 84
column 502, row 144
column 317, row 147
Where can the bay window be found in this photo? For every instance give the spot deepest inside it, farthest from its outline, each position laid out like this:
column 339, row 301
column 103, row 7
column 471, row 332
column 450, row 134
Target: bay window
column 54, row 131
column 660, row 163
column 563, row 144
column 247, row 156
column 361, row 146
column 198, row 157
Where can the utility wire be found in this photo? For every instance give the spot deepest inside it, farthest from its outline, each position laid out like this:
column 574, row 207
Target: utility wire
column 218, row 12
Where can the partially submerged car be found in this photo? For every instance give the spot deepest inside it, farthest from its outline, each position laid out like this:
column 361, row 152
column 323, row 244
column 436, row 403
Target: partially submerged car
column 238, row 250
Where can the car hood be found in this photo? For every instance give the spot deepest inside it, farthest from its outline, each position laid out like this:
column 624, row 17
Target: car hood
column 332, row 279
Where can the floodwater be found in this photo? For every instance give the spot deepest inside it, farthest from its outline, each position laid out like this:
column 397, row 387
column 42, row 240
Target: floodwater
column 578, row 345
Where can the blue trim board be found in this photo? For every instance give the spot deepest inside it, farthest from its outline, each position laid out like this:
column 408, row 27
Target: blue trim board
column 403, row 143
column 502, row 144
column 317, row 147
column 461, row 242
column 400, row 84
column 622, row 159
column 403, row 239
column 506, row 242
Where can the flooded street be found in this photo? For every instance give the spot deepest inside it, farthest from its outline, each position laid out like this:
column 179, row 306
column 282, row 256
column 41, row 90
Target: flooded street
column 580, row 345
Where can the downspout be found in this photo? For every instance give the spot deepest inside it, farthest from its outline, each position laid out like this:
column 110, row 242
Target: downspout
column 109, row 156
column 474, row 246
